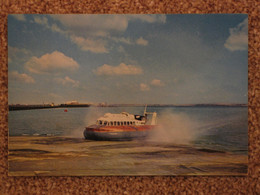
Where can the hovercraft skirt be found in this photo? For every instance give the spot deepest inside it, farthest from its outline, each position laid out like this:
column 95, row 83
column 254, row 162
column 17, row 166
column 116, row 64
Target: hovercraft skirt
column 117, row 134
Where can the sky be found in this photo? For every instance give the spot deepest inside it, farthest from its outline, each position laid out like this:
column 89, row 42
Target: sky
column 131, row 59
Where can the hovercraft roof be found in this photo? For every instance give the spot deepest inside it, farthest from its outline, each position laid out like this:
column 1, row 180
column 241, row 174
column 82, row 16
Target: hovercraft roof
column 124, row 116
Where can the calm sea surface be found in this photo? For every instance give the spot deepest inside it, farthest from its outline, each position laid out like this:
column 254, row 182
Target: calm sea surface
column 222, row 128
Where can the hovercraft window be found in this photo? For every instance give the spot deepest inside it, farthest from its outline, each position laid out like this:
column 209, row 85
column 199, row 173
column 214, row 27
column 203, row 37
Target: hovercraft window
column 111, row 123
column 105, row 122
column 121, row 123
column 114, row 123
column 118, row 123
column 127, row 122
column 124, row 122
column 100, row 122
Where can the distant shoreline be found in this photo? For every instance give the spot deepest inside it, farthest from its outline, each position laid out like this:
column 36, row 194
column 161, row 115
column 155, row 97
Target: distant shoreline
column 44, row 106
column 48, row 106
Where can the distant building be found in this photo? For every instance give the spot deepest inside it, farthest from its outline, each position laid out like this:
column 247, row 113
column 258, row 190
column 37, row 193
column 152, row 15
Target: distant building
column 102, row 104
column 72, row 102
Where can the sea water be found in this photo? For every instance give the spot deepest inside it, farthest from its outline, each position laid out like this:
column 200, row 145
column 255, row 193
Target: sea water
column 221, row 128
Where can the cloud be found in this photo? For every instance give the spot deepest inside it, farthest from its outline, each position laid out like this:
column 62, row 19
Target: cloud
column 142, row 41
column 15, row 50
column 55, row 28
column 95, row 46
column 154, row 82
column 144, row 87
column 17, row 54
column 14, row 75
column 44, row 22
column 91, row 32
column 86, row 30
column 238, row 39
column 19, row 17
column 157, row 83
column 41, row 20
column 150, row 18
column 122, row 40
column 97, row 25
column 67, row 81
column 100, row 25
column 55, row 62
column 121, row 69
column 87, row 26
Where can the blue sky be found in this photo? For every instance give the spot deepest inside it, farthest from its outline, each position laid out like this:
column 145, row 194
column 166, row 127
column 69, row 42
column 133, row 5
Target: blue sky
column 164, row 59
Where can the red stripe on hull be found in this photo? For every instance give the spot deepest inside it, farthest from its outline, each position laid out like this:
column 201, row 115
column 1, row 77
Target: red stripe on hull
column 96, row 128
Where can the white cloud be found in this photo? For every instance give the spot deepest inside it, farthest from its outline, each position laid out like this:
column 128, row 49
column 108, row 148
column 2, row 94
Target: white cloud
column 144, row 87
column 93, row 24
column 55, row 28
column 121, row 69
column 55, row 62
column 142, row 41
column 238, row 39
column 95, row 46
column 122, row 40
column 149, row 18
column 15, row 50
column 67, row 81
column 14, row 75
column 19, row 17
column 100, row 25
column 157, row 83
column 44, row 22
column 41, row 20
column 154, row 82
column 91, row 32
column 17, row 54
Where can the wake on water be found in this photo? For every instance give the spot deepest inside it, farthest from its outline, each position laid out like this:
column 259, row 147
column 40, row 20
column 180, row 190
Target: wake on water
column 174, row 128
